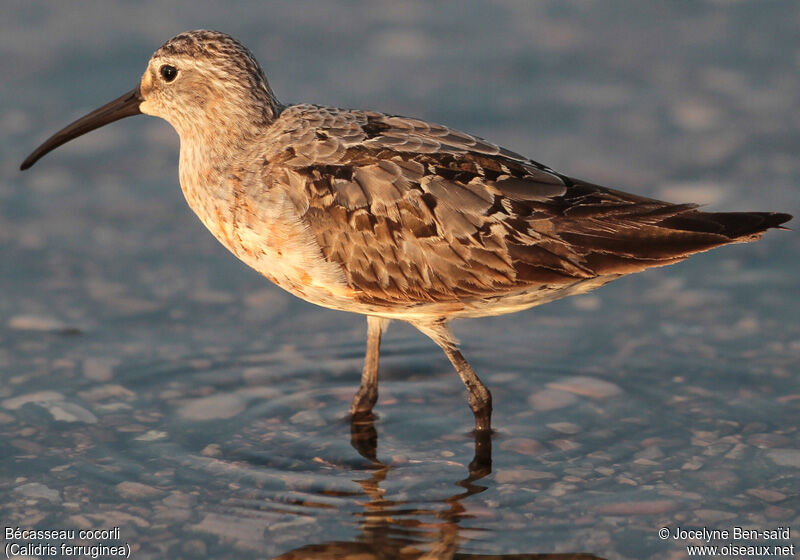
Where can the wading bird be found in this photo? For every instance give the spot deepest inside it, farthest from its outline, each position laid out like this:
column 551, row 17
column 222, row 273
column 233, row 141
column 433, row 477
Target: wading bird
column 393, row 217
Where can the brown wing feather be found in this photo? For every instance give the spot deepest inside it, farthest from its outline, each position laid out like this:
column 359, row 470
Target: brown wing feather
column 416, row 212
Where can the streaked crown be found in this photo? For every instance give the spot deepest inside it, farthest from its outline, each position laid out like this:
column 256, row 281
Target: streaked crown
column 201, row 76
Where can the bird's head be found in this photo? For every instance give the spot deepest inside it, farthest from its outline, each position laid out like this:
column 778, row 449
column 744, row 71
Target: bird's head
column 201, row 82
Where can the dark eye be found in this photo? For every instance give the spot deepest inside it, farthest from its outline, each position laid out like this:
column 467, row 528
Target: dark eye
column 168, row 72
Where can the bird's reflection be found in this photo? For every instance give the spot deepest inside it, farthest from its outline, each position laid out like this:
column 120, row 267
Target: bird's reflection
column 389, row 531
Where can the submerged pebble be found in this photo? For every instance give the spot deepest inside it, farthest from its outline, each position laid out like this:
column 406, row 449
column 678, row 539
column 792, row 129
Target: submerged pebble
column 37, row 491
column 214, row 407
column 587, row 387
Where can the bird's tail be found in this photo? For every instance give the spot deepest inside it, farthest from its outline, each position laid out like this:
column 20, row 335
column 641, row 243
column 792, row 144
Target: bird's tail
column 659, row 241
column 732, row 227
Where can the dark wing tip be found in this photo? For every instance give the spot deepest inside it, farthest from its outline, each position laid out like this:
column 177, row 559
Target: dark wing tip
column 742, row 224
column 775, row 219
column 733, row 225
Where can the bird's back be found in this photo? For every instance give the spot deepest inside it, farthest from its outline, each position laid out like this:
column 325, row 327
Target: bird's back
column 418, row 218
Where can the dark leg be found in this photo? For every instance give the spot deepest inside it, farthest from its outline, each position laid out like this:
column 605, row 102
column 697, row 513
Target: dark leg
column 368, row 392
column 479, row 397
column 481, row 464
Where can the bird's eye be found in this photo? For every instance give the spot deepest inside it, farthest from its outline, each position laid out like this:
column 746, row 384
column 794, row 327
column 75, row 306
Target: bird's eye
column 168, row 72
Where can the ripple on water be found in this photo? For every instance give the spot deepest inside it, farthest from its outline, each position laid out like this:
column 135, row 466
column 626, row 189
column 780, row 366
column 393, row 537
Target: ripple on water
column 252, row 450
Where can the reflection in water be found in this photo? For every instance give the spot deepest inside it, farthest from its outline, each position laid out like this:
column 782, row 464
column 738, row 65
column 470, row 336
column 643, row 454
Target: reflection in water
column 390, row 531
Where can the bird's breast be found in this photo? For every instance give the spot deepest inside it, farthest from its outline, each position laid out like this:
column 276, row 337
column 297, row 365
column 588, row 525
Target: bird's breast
column 261, row 227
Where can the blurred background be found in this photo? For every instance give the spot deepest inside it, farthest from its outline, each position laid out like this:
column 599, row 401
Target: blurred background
column 149, row 380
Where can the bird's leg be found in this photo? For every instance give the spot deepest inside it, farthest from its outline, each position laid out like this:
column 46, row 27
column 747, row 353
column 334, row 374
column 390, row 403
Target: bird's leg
column 479, row 397
column 368, row 392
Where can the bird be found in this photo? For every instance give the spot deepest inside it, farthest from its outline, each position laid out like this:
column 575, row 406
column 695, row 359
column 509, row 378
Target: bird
column 394, row 217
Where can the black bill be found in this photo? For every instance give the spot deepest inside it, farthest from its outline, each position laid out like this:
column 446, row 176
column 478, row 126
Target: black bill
column 124, row 106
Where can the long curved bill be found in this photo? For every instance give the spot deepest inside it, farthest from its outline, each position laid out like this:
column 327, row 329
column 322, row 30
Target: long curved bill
column 124, row 106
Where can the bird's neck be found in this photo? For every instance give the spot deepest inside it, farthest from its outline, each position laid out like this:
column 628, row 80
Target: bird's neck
column 212, row 139
column 215, row 150
column 210, row 157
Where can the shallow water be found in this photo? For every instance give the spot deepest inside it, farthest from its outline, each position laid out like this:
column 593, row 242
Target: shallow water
column 148, row 381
